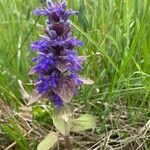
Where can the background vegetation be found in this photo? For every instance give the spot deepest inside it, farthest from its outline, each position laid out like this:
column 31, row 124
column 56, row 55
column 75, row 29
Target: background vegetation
column 116, row 34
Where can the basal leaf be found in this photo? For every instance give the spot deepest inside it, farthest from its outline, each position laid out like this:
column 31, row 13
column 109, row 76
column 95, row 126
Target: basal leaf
column 62, row 120
column 49, row 141
column 84, row 122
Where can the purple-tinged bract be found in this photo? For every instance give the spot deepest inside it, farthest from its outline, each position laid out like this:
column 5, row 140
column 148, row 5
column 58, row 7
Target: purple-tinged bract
column 57, row 63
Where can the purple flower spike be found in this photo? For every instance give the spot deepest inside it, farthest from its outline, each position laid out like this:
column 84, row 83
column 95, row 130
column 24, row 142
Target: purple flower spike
column 57, row 63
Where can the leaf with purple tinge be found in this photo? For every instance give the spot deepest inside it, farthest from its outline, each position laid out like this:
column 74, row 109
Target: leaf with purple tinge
column 66, row 89
column 35, row 97
column 86, row 80
column 82, row 59
column 32, row 71
column 31, row 98
column 62, row 66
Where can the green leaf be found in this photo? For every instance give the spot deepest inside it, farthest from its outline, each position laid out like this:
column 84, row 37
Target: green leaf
column 42, row 114
column 15, row 136
column 49, row 141
column 62, row 120
column 97, row 46
column 84, row 122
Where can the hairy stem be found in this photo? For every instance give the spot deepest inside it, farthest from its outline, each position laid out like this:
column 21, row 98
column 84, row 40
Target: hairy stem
column 67, row 142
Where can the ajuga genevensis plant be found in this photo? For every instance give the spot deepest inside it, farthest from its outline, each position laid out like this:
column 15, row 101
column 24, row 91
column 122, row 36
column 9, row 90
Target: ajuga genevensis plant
column 57, row 65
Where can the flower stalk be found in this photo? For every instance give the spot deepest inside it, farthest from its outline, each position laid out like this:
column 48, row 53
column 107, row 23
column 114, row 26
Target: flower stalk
column 67, row 142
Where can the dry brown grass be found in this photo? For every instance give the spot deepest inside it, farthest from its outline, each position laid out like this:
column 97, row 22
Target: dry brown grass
column 124, row 137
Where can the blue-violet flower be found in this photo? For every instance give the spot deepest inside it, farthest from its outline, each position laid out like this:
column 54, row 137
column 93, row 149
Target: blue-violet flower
column 57, row 63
